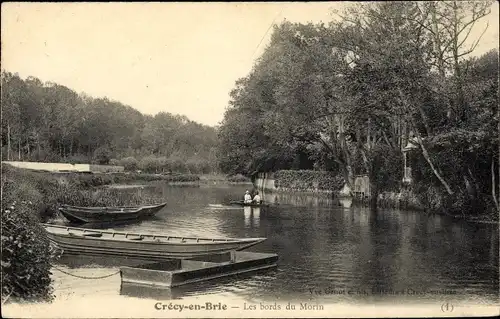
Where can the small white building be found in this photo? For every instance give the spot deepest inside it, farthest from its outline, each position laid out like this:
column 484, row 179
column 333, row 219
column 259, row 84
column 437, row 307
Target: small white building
column 412, row 145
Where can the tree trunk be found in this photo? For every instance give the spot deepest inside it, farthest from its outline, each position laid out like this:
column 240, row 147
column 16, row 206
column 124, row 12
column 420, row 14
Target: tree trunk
column 368, row 131
column 434, row 170
column 493, row 184
column 343, row 160
column 8, row 142
column 419, row 138
column 374, row 192
column 38, row 145
column 437, row 41
column 349, row 176
column 28, row 145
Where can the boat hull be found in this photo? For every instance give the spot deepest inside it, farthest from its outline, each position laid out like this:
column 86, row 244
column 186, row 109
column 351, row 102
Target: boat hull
column 241, row 203
column 143, row 249
column 97, row 215
column 175, row 273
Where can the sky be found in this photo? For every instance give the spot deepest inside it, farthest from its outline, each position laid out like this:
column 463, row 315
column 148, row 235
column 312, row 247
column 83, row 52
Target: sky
column 181, row 58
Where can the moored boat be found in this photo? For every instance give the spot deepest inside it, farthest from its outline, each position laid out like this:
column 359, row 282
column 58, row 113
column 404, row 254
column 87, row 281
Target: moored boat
column 75, row 240
column 252, row 204
column 174, row 273
column 79, row 214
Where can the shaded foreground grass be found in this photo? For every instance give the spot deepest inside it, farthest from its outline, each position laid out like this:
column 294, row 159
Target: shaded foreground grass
column 220, row 178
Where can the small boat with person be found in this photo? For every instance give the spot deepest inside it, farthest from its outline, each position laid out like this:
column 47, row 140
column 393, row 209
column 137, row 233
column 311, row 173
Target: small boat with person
column 248, row 200
column 73, row 240
column 79, row 214
column 251, row 204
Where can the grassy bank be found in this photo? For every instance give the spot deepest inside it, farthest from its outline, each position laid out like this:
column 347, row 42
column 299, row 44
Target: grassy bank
column 83, row 180
column 224, row 179
column 47, row 190
column 404, row 199
column 25, row 261
column 92, row 180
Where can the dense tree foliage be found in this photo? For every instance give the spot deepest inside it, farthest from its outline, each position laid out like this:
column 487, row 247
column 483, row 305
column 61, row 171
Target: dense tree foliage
column 50, row 122
column 353, row 94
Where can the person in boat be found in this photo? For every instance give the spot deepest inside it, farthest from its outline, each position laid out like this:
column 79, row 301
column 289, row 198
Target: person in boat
column 248, row 198
column 256, row 198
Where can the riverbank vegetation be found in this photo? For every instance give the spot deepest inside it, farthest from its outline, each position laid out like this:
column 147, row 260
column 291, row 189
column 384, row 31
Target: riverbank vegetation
column 162, row 164
column 92, row 180
column 25, row 264
column 348, row 97
column 30, row 197
column 225, row 179
column 47, row 190
column 308, row 180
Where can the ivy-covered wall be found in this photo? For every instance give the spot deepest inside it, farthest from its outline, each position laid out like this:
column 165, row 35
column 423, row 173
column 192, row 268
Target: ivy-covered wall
column 301, row 180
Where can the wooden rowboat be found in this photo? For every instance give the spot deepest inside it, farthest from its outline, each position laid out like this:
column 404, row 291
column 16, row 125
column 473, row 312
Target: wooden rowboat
column 242, row 203
column 148, row 246
column 108, row 214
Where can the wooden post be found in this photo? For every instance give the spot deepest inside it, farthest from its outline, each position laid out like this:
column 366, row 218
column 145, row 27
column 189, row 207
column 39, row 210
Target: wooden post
column 233, row 256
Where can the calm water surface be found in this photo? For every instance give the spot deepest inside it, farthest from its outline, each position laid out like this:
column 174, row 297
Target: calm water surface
column 327, row 253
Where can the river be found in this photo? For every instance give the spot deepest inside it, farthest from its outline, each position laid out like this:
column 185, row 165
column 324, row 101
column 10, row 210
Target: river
column 328, row 254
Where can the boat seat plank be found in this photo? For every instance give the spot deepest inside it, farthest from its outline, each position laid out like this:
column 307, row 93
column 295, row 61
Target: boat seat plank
column 85, row 234
column 92, row 234
column 135, row 238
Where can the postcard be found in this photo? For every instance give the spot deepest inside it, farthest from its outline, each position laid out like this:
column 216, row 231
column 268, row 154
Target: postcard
column 250, row 160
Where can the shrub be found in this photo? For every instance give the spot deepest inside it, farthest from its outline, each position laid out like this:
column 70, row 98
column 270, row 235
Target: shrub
column 102, row 155
column 163, row 164
column 125, row 178
column 46, row 156
column 25, row 263
column 149, row 164
column 238, row 179
column 177, row 164
column 182, row 178
column 198, row 165
column 77, row 159
column 107, row 197
column 308, row 180
column 129, row 163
